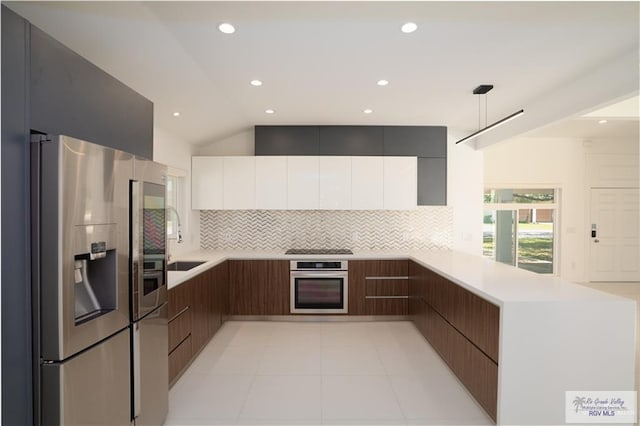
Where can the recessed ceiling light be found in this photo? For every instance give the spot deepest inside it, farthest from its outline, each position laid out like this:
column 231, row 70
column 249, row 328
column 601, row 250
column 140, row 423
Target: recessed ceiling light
column 256, row 83
column 227, row 28
column 382, row 82
column 270, row 111
column 176, row 114
column 368, row 111
column 602, row 122
column 409, row 27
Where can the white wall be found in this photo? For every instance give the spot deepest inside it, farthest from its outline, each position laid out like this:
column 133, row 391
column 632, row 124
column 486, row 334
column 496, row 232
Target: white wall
column 177, row 153
column 559, row 163
column 464, row 193
column 241, row 143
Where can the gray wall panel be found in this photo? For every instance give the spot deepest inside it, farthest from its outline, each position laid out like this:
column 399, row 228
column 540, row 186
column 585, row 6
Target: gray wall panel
column 432, row 181
column 16, row 296
column 71, row 96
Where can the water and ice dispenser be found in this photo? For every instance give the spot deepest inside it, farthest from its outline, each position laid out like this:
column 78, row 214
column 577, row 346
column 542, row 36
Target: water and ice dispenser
column 95, row 271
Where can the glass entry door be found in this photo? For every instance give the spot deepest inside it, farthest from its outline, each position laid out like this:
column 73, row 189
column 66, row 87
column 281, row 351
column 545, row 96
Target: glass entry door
column 519, row 228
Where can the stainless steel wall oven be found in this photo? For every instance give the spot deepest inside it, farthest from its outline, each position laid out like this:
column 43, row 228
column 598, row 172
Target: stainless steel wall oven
column 319, row 286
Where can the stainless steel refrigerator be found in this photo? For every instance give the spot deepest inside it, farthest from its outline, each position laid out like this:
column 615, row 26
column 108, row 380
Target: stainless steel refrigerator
column 149, row 310
column 89, row 360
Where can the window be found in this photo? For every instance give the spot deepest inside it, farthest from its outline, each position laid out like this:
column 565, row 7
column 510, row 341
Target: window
column 172, row 203
column 520, row 227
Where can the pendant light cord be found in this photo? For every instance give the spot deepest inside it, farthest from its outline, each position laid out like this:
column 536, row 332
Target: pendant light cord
column 479, row 114
column 485, row 109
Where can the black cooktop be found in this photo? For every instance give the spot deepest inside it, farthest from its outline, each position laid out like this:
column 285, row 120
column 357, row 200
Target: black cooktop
column 318, row 251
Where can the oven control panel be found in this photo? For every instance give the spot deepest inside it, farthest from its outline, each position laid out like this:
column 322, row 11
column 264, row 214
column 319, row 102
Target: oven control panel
column 319, row 265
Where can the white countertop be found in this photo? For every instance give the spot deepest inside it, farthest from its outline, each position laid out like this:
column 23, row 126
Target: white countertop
column 493, row 281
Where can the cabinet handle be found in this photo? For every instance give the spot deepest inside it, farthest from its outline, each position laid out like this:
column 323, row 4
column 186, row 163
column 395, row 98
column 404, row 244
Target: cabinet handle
column 185, row 309
column 386, row 297
column 385, row 278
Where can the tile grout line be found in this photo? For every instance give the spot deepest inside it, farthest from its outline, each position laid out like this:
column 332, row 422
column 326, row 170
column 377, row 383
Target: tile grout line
column 395, row 394
column 246, row 398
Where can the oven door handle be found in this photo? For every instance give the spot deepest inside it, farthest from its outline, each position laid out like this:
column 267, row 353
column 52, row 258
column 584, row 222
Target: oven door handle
column 332, row 274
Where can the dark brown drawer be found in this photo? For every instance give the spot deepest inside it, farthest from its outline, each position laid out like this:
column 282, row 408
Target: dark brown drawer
column 479, row 321
column 179, row 358
column 478, row 372
column 179, row 328
column 473, row 316
column 371, row 282
column 179, row 298
column 386, row 287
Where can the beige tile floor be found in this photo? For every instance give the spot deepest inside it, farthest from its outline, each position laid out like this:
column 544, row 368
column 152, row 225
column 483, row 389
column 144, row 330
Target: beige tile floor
column 364, row 373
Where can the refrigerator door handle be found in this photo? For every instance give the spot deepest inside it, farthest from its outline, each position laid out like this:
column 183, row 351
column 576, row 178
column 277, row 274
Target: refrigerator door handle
column 136, row 370
column 137, row 268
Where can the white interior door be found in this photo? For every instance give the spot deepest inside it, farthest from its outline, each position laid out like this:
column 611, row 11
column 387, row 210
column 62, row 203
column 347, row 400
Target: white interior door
column 614, row 245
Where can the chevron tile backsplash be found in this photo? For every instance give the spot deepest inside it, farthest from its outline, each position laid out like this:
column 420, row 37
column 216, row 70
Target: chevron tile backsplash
column 425, row 228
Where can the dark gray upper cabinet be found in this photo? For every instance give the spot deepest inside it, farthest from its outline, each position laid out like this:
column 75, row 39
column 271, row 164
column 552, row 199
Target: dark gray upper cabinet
column 351, row 140
column 432, row 181
column 71, row 96
column 286, row 140
column 420, row 141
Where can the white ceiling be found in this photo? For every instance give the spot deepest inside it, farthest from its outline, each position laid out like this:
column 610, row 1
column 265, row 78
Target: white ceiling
column 620, row 120
column 320, row 60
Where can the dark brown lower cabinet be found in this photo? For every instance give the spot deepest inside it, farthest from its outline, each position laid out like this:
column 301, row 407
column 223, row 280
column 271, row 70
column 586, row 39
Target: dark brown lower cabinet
column 179, row 358
column 179, row 328
column 378, row 287
column 471, row 353
column 259, row 287
column 201, row 304
column 197, row 309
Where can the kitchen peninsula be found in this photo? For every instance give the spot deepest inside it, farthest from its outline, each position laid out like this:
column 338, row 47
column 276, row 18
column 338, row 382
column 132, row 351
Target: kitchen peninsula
column 517, row 340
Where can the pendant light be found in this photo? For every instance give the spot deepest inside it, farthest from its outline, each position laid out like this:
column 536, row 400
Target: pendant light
column 482, row 90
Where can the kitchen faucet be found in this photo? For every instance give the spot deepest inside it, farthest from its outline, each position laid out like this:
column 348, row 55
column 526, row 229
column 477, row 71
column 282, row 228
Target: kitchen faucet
column 171, row 208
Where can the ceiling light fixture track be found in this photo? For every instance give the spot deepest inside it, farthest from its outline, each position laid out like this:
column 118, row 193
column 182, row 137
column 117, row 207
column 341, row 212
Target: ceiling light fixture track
column 483, row 89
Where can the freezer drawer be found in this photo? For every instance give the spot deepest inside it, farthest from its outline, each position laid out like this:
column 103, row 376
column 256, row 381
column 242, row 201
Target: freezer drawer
column 92, row 388
column 151, row 368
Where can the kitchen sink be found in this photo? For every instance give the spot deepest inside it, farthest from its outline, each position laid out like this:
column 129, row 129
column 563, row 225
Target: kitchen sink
column 184, row 265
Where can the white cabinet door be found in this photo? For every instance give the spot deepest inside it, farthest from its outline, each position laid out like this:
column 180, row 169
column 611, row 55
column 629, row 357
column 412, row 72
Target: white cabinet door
column 400, row 183
column 239, row 183
column 302, row 183
column 207, row 176
column 335, row 183
column 271, row 183
column 367, row 181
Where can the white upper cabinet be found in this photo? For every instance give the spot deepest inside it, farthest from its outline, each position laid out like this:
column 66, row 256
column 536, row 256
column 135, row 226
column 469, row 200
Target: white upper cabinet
column 239, row 183
column 302, row 183
column 335, row 183
column 207, row 183
column 400, row 183
column 367, row 183
column 271, row 182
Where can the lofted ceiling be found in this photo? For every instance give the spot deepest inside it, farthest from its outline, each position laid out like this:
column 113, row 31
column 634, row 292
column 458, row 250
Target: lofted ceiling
column 320, row 61
column 620, row 120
